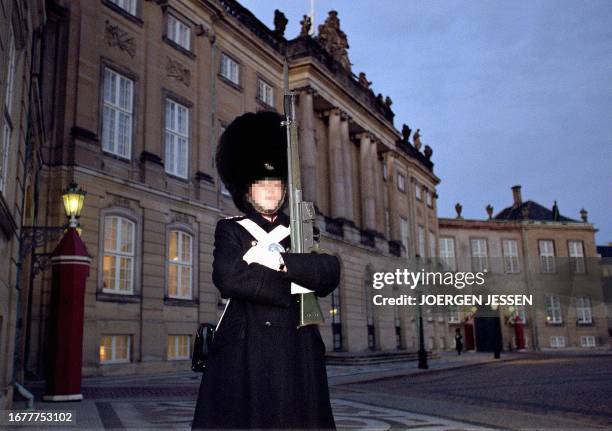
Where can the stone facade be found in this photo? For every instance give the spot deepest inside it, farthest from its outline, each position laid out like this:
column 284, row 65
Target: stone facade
column 21, row 137
column 519, row 268
column 373, row 189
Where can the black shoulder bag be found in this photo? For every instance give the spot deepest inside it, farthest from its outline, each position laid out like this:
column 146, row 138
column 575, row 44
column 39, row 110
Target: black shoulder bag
column 203, row 341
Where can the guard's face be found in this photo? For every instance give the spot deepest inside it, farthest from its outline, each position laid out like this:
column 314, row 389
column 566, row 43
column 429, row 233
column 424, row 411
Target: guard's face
column 266, row 194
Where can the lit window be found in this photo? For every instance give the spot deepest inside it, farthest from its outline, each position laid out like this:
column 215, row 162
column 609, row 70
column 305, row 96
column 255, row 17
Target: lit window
column 510, row 249
column 447, row 253
column 553, row 309
column 583, row 310
column 587, row 341
column 115, row 348
column 117, row 114
column 265, row 93
column 404, row 232
column 576, row 254
column 547, row 256
column 401, row 182
column 118, row 261
column 180, row 266
column 479, row 254
column 178, row 32
column 177, row 138
column 229, row 69
column 127, row 5
column 179, row 347
column 557, row 341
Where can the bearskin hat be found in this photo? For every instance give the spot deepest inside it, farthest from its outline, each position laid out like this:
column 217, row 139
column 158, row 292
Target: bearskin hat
column 252, row 147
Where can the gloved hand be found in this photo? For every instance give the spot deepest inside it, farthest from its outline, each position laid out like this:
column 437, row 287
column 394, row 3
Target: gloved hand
column 262, row 255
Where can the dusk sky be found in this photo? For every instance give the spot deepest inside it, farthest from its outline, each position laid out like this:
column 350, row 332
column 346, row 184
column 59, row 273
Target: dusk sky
column 504, row 92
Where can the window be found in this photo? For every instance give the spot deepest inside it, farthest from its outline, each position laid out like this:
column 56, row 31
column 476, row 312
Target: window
column 5, row 143
column 177, row 138
column 401, row 182
column 447, row 253
column 115, row 348
column 178, row 32
column 404, row 232
column 387, row 224
column 180, row 264
column 118, row 261
column 553, row 309
column 547, row 256
column 432, row 244
column 229, row 69
column 179, row 347
column 265, row 93
column 557, row 341
column 584, row 316
column 385, row 171
column 587, row 341
column 453, row 314
column 428, row 198
column 417, row 191
column 576, row 254
column 421, row 238
column 479, row 254
column 510, row 250
column 127, row 5
column 117, row 114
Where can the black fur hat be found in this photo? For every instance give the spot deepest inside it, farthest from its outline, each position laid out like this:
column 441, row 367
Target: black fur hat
column 252, row 147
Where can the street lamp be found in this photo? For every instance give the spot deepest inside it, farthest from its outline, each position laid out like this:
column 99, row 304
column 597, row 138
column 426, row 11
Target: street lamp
column 73, row 203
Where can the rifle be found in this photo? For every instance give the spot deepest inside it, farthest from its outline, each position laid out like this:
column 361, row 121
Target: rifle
column 302, row 214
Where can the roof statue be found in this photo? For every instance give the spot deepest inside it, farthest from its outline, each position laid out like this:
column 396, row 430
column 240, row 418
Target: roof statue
column 334, row 40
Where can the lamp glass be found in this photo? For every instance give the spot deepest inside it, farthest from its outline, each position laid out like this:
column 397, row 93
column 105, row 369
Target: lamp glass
column 73, row 201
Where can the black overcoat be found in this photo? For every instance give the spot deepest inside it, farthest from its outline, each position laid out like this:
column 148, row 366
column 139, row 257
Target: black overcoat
column 264, row 372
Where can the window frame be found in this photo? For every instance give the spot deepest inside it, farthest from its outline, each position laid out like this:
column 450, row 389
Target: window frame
column 128, row 358
column 577, row 264
column 176, row 347
column 179, row 20
column 261, row 81
column 443, row 257
column 559, row 341
column 584, row 310
column 400, row 178
column 588, row 337
column 118, row 254
column 421, row 241
column 105, row 294
column 550, row 267
column 121, row 73
column 479, row 259
column 193, row 232
column 170, row 98
column 513, row 259
column 404, row 235
column 417, row 191
column 181, row 234
column 553, row 303
column 229, row 79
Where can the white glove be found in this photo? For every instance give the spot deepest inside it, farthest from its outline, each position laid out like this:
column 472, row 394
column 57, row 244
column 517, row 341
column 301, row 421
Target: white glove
column 263, row 256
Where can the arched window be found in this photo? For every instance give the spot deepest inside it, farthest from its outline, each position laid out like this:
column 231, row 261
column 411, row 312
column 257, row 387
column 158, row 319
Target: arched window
column 118, row 260
column 180, row 265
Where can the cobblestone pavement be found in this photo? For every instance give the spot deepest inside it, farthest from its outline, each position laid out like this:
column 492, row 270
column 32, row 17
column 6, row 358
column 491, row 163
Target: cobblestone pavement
column 398, row 399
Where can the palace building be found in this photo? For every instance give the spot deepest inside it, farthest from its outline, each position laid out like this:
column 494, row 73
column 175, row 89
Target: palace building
column 139, row 92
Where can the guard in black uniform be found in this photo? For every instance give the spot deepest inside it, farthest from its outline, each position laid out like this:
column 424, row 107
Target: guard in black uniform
column 263, row 371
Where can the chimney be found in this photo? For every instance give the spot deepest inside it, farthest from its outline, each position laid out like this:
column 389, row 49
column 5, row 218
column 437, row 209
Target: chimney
column 516, row 195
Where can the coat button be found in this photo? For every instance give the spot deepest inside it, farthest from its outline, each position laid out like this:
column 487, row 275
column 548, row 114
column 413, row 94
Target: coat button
column 268, row 324
column 254, row 242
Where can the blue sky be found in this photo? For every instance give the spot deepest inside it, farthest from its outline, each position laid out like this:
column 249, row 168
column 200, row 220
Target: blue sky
column 504, row 92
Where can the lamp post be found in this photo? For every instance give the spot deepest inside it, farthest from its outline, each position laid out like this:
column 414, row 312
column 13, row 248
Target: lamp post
column 70, row 269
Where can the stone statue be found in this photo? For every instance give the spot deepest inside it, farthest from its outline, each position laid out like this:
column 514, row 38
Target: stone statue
column 334, row 40
column 458, row 209
column 363, row 80
column 280, row 22
column 416, row 138
column 428, row 152
column 584, row 215
column 379, row 99
column 406, row 131
column 490, row 211
column 388, row 101
column 306, row 23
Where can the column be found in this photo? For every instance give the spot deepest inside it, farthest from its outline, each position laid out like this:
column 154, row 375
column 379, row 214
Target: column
column 308, row 151
column 348, row 168
column 366, row 170
column 336, row 165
